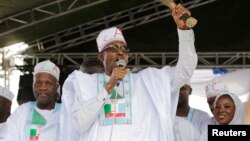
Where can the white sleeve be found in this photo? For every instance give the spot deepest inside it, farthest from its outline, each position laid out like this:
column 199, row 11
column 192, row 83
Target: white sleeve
column 86, row 114
column 16, row 127
column 83, row 111
column 185, row 67
column 12, row 130
column 187, row 61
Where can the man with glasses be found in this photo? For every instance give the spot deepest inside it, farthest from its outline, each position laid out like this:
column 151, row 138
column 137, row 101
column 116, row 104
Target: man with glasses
column 119, row 105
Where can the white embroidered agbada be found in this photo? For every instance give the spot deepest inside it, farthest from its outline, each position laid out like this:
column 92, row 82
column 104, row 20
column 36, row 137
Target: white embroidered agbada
column 18, row 124
column 28, row 122
column 153, row 100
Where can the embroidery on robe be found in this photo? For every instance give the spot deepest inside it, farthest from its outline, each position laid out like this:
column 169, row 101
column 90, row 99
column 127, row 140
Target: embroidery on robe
column 118, row 109
column 35, row 122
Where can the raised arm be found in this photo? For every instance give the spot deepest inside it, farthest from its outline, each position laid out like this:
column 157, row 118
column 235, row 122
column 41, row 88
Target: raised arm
column 187, row 61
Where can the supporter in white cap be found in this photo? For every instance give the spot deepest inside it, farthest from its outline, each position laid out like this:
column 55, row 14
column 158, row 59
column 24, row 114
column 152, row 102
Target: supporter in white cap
column 226, row 107
column 38, row 120
column 119, row 105
column 213, row 89
column 6, row 98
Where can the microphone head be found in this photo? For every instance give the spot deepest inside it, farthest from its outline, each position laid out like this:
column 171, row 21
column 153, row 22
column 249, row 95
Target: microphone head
column 120, row 62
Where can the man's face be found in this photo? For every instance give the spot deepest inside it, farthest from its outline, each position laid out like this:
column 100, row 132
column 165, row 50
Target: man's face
column 110, row 55
column 185, row 91
column 45, row 88
column 224, row 110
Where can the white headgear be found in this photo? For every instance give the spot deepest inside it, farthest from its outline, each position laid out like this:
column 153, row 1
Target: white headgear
column 108, row 36
column 6, row 93
column 215, row 88
column 48, row 67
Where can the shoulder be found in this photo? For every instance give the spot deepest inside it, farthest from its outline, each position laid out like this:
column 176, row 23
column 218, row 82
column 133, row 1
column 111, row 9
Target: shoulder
column 23, row 106
column 201, row 112
column 80, row 77
column 20, row 112
column 79, row 74
column 183, row 121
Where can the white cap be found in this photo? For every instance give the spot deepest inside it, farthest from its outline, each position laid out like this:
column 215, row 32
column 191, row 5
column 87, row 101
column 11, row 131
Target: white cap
column 48, row 67
column 6, row 93
column 215, row 88
column 108, row 36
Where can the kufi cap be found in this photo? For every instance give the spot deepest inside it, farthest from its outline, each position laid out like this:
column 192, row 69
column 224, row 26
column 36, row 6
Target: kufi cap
column 108, row 36
column 48, row 67
column 6, row 93
column 215, row 88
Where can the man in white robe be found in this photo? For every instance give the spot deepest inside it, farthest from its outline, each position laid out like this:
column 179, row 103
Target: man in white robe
column 38, row 121
column 118, row 105
column 195, row 116
column 6, row 98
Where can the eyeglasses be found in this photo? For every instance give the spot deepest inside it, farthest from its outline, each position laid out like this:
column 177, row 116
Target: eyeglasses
column 114, row 48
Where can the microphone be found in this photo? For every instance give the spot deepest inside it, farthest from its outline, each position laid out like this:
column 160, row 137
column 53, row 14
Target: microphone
column 120, row 63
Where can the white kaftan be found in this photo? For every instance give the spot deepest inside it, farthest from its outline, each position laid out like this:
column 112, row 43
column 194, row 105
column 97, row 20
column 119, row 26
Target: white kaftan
column 153, row 100
column 18, row 126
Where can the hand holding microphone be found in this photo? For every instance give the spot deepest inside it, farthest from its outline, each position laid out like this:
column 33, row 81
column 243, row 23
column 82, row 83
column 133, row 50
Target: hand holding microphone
column 118, row 73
